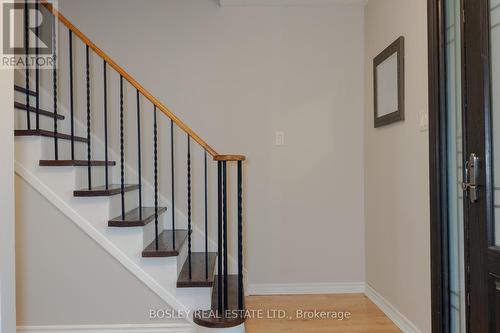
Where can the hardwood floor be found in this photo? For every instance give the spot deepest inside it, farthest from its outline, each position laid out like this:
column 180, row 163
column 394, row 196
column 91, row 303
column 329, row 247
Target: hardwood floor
column 365, row 316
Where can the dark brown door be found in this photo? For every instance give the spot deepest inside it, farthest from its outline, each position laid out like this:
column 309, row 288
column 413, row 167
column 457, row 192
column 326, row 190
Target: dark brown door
column 481, row 93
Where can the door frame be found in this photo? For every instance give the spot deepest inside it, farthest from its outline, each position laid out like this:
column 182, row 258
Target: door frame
column 481, row 235
column 438, row 167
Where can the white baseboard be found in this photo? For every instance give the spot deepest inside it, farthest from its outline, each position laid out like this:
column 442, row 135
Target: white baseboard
column 140, row 328
column 390, row 311
column 306, row 288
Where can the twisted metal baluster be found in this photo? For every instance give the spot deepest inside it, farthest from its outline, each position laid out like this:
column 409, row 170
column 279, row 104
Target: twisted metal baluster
column 219, row 238
column 54, row 86
column 139, row 155
column 240, row 237
column 27, row 70
column 37, row 71
column 224, row 228
column 206, row 215
column 106, row 158
column 71, row 96
column 172, row 161
column 156, row 178
column 189, row 203
column 89, row 148
column 122, row 151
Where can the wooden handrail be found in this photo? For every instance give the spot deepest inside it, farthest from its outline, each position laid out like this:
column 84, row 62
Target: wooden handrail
column 229, row 158
column 129, row 78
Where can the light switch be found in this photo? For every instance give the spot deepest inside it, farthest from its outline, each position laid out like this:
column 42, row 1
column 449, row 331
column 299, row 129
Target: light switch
column 424, row 121
column 280, row 138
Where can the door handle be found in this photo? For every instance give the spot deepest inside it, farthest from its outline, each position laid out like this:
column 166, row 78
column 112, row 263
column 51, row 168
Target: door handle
column 471, row 186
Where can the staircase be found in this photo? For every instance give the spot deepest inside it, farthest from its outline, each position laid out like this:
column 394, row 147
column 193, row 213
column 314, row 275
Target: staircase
column 152, row 235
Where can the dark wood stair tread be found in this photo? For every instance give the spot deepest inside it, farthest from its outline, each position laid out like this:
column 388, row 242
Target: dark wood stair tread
column 133, row 219
column 32, row 109
column 75, row 163
column 208, row 318
column 24, row 91
column 101, row 191
column 232, row 289
column 49, row 134
column 165, row 246
column 198, row 271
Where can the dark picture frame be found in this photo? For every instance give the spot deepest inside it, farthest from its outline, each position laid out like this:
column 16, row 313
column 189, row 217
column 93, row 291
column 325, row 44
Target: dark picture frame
column 386, row 117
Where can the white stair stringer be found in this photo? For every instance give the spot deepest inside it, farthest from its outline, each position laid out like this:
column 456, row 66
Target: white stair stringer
column 91, row 215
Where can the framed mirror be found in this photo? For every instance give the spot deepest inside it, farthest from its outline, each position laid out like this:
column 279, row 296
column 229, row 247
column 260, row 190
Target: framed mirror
column 388, row 84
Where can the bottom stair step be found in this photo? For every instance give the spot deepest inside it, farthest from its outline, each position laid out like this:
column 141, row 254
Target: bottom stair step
column 210, row 319
column 133, row 217
column 165, row 245
column 199, row 265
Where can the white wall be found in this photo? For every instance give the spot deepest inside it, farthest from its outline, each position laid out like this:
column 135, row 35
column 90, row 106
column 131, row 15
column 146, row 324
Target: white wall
column 7, row 225
column 7, row 236
column 65, row 278
column 237, row 75
column 396, row 168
